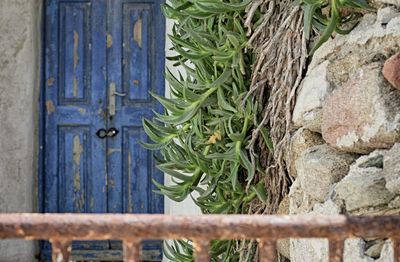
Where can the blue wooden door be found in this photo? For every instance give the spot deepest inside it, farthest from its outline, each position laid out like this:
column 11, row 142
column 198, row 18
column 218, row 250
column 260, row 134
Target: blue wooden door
column 100, row 54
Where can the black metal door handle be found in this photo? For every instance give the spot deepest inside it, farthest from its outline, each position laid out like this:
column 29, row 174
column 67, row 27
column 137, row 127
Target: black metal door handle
column 112, row 132
column 101, row 133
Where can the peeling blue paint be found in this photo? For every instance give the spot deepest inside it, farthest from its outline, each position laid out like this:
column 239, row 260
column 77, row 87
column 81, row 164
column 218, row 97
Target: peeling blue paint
column 88, row 45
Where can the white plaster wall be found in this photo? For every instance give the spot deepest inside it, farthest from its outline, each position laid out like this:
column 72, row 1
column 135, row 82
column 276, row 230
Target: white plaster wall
column 19, row 89
column 186, row 207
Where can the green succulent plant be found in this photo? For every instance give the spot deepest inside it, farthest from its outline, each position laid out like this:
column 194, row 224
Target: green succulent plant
column 340, row 16
column 205, row 128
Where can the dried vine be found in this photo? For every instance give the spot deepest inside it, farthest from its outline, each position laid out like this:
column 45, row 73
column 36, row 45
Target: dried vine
column 280, row 46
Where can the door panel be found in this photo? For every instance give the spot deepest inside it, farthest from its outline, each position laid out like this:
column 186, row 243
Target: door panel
column 74, row 51
column 137, row 37
column 135, row 167
column 74, row 152
column 75, row 106
column 135, row 70
column 75, row 159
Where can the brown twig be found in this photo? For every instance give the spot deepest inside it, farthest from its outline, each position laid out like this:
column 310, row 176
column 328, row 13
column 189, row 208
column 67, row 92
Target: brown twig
column 281, row 50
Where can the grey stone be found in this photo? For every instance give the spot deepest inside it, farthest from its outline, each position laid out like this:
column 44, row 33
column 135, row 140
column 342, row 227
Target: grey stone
column 391, row 164
column 354, row 251
column 305, row 250
column 372, row 40
column 327, row 208
column 364, row 186
column 374, row 248
column 299, row 202
column 386, row 253
column 283, row 245
column 316, row 250
column 386, row 14
column 319, row 167
column 301, row 140
column 313, row 91
column 395, row 203
column 386, row 2
column 19, row 89
column 364, row 114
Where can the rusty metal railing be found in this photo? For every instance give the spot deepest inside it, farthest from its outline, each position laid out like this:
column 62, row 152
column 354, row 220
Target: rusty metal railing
column 61, row 229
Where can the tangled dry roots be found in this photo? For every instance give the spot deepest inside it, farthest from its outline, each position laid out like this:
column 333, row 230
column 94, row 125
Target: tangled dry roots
column 281, row 53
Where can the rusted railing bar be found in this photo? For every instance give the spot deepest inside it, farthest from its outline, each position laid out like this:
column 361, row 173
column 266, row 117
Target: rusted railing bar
column 61, row 250
column 124, row 226
column 267, row 249
column 336, row 249
column 201, row 250
column 131, row 250
column 396, row 250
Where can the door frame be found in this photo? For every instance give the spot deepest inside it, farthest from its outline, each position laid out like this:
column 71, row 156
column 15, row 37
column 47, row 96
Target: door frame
column 159, row 48
column 41, row 114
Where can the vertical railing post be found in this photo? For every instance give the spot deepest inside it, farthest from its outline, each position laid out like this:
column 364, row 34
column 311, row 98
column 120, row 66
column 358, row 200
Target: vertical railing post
column 61, row 250
column 396, row 250
column 267, row 250
column 336, row 249
column 132, row 250
column 202, row 250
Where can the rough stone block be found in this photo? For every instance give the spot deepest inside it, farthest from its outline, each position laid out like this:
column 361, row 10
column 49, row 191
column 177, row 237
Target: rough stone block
column 364, row 114
column 313, row 91
column 299, row 202
column 301, row 140
column 375, row 38
column 283, row 245
column 316, row 250
column 391, row 165
column 319, row 167
column 386, row 253
column 364, row 186
column 391, row 70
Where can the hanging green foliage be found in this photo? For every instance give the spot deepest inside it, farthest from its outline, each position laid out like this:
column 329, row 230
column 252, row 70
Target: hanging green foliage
column 207, row 123
column 338, row 16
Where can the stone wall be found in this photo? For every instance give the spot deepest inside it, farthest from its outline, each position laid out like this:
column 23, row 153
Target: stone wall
column 19, row 89
column 345, row 151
